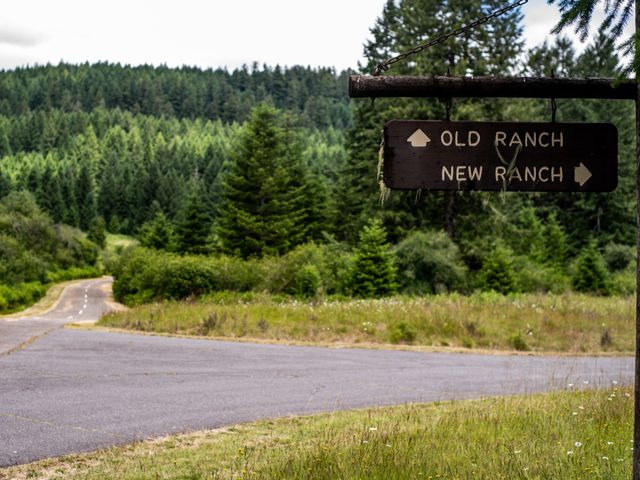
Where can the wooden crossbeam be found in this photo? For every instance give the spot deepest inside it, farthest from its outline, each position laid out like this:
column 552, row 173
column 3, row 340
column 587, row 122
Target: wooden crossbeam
column 366, row 86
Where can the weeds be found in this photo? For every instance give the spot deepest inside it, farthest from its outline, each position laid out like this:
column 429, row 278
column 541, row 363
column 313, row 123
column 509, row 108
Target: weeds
column 569, row 435
column 562, row 323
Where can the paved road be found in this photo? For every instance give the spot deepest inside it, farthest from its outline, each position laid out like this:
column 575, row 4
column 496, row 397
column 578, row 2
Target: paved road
column 83, row 301
column 74, row 390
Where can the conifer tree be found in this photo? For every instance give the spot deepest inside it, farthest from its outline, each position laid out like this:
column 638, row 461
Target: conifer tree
column 98, row 232
column 590, row 273
column 85, row 191
column 555, row 244
column 497, row 271
column 5, row 185
column 194, row 225
column 373, row 271
column 50, row 193
column 261, row 198
column 158, row 233
column 67, row 177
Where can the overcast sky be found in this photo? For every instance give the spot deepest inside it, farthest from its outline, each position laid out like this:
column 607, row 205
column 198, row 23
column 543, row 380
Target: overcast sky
column 204, row 33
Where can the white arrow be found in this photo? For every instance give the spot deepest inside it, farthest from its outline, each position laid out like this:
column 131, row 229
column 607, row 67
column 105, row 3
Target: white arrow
column 418, row 139
column 581, row 174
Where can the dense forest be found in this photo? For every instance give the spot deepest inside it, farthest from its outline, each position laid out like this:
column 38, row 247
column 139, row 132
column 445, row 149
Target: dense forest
column 260, row 162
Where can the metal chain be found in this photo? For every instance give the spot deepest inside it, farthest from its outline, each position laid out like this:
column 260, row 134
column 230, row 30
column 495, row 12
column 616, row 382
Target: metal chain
column 384, row 66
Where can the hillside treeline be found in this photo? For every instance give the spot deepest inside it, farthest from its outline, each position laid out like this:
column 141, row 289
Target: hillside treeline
column 318, row 95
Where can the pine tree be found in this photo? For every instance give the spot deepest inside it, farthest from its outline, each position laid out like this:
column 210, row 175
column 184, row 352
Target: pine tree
column 590, row 273
column 67, row 177
column 497, row 272
column 5, row 144
column 5, row 185
column 98, row 232
column 50, row 193
column 158, row 233
column 193, row 228
column 555, row 244
column 261, row 198
column 85, row 191
column 373, row 271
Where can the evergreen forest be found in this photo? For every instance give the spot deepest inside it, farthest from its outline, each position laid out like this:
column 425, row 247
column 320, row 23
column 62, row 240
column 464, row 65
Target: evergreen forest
column 267, row 177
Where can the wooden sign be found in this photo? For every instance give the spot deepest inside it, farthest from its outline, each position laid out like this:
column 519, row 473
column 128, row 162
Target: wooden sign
column 495, row 156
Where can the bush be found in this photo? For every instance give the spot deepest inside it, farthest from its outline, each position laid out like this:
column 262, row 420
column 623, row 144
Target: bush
column 623, row 283
column 144, row 275
column 300, row 272
column 519, row 343
column 31, row 246
column 18, row 296
column 429, row 262
column 73, row 274
column 533, row 277
column 618, row 257
column 403, row 333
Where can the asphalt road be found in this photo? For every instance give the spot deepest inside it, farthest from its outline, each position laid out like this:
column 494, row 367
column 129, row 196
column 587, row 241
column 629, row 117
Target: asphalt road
column 83, row 301
column 74, row 390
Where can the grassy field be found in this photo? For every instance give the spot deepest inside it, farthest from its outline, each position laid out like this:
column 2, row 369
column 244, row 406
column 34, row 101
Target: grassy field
column 570, row 323
column 564, row 435
column 116, row 240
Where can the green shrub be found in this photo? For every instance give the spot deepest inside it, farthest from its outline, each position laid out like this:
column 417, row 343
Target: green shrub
column 300, row 272
column 403, row 333
column 519, row 343
column 73, row 274
column 31, row 246
column 143, row 275
column 623, row 283
column 533, row 277
column 618, row 257
column 18, row 296
column 306, row 282
column 589, row 272
column 429, row 262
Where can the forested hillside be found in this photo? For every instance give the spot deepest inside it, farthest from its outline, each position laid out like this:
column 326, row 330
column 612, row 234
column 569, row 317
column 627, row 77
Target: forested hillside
column 318, row 96
column 255, row 162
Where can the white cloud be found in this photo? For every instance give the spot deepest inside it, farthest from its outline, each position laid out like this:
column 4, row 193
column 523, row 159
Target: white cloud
column 207, row 34
column 17, row 35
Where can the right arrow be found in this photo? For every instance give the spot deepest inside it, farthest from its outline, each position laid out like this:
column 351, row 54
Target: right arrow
column 581, row 174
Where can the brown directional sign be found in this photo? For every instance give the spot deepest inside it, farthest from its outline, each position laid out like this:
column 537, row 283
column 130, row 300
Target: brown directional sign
column 560, row 157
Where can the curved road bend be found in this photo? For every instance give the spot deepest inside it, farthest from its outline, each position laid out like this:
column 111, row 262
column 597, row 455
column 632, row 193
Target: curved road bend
column 74, row 390
column 83, row 301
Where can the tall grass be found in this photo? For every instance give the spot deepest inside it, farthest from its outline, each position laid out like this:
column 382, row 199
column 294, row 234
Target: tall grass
column 562, row 323
column 564, row 435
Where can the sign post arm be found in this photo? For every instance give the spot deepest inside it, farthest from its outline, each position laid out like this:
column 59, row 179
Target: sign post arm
column 366, row 86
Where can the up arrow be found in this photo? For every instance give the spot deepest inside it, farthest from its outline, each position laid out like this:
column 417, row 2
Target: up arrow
column 418, row 139
column 581, row 174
